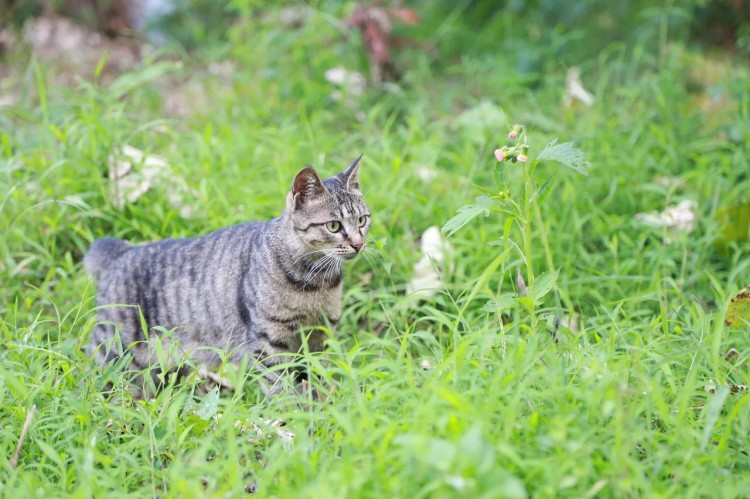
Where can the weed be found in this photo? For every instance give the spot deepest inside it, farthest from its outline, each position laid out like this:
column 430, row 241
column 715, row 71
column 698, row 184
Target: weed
column 445, row 397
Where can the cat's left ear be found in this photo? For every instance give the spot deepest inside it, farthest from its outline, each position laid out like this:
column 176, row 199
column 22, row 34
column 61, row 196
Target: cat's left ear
column 307, row 185
column 350, row 176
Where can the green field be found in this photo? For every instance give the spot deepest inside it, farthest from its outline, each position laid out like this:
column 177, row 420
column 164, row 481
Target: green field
column 610, row 380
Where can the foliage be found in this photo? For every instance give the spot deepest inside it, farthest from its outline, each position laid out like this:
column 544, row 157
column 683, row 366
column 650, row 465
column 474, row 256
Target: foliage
column 614, row 376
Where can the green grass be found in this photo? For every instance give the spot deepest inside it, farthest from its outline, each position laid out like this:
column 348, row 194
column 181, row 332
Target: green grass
column 617, row 407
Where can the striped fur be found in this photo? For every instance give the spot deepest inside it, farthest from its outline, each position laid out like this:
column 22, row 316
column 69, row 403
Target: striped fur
column 251, row 290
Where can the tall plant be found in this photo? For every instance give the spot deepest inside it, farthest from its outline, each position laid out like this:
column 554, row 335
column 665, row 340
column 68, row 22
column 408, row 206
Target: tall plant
column 520, row 211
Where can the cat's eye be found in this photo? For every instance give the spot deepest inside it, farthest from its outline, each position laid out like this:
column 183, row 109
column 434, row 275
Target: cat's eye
column 361, row 221
column 333, row 226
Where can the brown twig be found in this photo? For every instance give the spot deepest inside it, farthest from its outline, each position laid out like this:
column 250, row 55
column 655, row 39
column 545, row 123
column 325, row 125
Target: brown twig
column 22, row 438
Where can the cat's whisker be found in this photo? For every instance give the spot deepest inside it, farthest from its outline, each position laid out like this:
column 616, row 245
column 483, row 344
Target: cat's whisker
column 372, row 258
column 333, row 267
column 307, row 254
column 326, row 269
column 330, row 268
column 316, row 268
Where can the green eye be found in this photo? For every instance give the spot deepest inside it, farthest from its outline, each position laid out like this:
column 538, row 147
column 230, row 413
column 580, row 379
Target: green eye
column 362, row 220
column 333, row 226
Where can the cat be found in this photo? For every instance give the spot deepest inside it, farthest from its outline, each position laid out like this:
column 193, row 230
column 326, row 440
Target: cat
column 250, row 289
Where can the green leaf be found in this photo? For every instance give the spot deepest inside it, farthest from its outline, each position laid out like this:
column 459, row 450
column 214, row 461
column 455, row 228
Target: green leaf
column 209, row 405
column 467, row 213
column 511, row 487
column 525, row 301
column 542, row 192
column 490, row 306
column 734, row 225
column 486, row 274
column 473, row 446
column 441, row 452
column 502, row 302
column 567, row 155
column 713, row 409
column 505, row 301
column 543, row 284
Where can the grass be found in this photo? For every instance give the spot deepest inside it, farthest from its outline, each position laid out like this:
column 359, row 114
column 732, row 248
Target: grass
column 434, row 398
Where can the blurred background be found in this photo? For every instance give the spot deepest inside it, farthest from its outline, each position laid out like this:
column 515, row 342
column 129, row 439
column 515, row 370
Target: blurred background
column 536, row 35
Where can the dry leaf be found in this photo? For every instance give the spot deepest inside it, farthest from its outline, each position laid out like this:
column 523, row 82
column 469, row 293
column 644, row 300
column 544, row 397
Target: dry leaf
column 738, row 311
column 731, row 355
column 426, row 365
column 734, row 389
column 425, row 280
column 272, row 429
column 426, row 173
column 677, row 218
column 132, row 173
column 352, row 82
column 521, row 283
column 574, row 90
column 710, row 386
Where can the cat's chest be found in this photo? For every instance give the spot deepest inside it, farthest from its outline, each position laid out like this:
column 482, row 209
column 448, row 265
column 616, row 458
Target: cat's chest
column 313, row 303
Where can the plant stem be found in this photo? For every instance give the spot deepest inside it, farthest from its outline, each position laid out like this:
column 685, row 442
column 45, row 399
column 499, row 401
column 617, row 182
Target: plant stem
column 528, row 215
column 527, row 218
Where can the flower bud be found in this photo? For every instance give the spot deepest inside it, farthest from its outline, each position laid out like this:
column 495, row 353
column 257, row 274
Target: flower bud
column 515, row 132
column 500, row 155
column 523, row 156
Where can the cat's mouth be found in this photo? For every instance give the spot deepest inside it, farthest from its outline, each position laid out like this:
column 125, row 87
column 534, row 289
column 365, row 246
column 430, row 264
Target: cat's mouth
column 350, row 256
column 349, row 253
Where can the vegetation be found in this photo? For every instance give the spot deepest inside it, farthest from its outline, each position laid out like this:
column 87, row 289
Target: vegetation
column 613, row 377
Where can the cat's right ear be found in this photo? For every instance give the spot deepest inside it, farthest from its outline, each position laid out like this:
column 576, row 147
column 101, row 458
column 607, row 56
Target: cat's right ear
column 307, row 185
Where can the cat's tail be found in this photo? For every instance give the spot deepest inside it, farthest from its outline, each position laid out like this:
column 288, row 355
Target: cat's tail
column 101, row 255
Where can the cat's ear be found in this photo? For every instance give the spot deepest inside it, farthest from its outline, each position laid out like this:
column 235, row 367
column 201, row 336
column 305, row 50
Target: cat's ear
column 307, row 185
column 350, row 176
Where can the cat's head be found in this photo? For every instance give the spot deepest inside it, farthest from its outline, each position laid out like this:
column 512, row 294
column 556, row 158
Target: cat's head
column 329, row 216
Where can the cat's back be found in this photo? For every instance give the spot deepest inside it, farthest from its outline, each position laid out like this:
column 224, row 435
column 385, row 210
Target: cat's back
column 178, row 282
column 110, row 258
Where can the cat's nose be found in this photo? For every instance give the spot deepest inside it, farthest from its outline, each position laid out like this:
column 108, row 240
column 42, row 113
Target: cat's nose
column 357, row 245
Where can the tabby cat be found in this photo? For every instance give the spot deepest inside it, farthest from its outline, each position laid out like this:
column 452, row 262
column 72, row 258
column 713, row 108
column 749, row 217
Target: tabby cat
column 252, row 289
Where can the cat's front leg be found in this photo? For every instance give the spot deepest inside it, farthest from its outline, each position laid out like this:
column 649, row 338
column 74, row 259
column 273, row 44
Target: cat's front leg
column 274, row 367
